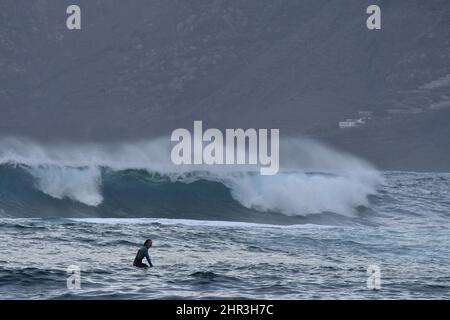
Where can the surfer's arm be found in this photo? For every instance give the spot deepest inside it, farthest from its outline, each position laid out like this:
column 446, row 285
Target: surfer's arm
column 148, row 259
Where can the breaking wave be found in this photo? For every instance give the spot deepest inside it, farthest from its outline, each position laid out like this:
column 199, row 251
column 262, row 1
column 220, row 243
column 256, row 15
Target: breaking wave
column 138, row 180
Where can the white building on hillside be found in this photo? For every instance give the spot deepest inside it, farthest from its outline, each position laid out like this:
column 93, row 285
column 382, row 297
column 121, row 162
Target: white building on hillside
column 351, row 123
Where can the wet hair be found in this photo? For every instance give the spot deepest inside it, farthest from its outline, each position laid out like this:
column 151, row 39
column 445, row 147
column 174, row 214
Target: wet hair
column 147, row 241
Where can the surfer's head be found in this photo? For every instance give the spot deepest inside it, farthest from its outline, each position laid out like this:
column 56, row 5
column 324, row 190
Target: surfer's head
column 148, row 243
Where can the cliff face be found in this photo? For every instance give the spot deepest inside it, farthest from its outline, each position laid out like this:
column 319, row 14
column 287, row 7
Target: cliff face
column 142, row 68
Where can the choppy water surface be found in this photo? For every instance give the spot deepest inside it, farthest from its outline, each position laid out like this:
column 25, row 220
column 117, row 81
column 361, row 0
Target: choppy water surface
column 404, row 230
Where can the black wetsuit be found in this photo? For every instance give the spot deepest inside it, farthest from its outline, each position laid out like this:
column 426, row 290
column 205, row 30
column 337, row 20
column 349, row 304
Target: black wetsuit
column 141, row 254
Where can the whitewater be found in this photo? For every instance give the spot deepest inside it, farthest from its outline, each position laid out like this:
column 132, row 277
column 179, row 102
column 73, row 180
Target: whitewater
column 310, row 231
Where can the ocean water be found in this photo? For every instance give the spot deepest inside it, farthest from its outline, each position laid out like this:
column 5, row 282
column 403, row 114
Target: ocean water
column 303, row 234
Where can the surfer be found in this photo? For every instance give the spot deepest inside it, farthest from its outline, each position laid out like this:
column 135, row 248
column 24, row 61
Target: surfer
column 143, row 253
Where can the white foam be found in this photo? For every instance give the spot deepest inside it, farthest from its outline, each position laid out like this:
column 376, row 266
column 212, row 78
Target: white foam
column 78, row 184
column 301, row 194
column 190, row 222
